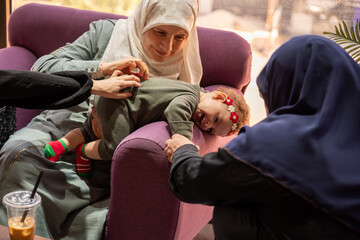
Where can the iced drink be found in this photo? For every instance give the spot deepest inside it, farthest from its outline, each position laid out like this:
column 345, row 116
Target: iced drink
column 21, row 211
column 22, row 230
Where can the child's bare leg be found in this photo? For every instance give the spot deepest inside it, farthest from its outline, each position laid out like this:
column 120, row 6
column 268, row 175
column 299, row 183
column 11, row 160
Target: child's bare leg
column 84, row 154
column 73, row 139
column 55, row 149
column 92, row 149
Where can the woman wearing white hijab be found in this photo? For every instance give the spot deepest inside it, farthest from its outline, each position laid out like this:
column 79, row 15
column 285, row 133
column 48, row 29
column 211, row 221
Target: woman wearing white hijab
column 67, row 200
column 104, row 47
column 126, row 39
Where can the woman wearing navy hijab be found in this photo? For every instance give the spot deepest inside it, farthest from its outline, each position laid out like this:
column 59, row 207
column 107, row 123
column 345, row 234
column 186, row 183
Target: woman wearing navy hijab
column 296, row 174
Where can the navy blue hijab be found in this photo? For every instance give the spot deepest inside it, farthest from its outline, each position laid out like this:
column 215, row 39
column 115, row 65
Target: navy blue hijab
column 310, row 141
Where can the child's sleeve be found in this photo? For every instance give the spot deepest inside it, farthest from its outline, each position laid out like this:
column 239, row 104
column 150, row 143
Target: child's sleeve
column 178, row 115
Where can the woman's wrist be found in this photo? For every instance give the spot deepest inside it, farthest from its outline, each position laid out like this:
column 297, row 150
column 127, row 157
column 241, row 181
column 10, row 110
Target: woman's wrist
column 96, row 88
column 105, row 68
column 98, row 74
column 101, row 68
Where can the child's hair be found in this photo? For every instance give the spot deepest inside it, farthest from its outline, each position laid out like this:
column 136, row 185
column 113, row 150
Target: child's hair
column 241, row 107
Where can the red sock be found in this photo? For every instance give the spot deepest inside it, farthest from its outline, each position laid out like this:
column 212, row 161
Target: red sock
column 83, row 163
column 53, row 150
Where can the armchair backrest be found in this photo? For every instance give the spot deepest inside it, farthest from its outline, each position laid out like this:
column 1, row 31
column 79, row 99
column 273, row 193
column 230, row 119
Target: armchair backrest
column 226, row 57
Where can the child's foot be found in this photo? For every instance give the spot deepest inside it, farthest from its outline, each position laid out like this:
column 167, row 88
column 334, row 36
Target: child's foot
column 53, row 150
column 83, row 163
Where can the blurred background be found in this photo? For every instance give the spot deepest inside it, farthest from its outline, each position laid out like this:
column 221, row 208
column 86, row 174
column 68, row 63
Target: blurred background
column 265, row 24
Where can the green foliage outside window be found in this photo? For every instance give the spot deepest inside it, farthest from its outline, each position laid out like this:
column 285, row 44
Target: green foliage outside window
column 348, row 38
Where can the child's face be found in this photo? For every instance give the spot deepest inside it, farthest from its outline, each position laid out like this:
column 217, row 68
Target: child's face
column 212, row 114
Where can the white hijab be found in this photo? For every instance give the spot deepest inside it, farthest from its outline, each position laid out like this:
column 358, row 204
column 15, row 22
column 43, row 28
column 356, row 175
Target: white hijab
column 126, row 38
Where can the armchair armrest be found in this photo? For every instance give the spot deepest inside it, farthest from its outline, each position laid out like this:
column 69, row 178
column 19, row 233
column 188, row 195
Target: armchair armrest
column 140, row 195
column 19, row 58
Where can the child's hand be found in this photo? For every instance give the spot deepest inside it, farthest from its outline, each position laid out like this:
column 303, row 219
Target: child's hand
column 174, row 143
column 126, row 66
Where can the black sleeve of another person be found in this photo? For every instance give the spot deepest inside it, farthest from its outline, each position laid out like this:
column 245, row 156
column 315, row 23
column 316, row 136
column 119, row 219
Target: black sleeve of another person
column 219, row 178
column 33, row 90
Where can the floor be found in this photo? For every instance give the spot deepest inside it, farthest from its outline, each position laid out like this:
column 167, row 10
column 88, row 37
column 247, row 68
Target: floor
column 207, row 233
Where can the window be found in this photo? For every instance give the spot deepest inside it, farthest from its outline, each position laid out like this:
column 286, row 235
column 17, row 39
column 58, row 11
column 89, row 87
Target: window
column 113, row 6
column 4, row 16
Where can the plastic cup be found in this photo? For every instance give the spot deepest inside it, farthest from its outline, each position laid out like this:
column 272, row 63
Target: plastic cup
column 21, row 212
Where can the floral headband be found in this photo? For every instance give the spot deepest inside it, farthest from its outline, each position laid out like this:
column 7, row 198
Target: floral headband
column 233, row 115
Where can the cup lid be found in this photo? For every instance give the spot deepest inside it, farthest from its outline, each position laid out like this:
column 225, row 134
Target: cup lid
column 21, row 199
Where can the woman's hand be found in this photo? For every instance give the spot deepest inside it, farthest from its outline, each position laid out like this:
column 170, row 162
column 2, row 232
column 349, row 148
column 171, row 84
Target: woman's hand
column 110, row 88
column 126, row 65
column 174, row 143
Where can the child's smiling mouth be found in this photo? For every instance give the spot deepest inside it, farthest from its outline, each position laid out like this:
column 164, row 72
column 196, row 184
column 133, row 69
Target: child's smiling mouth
column 200, row 119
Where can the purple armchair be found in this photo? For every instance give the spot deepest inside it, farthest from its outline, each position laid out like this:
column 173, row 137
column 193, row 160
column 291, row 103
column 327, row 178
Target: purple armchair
column 141, row 204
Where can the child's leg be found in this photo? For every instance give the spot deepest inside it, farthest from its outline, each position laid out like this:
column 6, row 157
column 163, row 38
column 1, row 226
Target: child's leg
column 84, row 154
column 53, row 150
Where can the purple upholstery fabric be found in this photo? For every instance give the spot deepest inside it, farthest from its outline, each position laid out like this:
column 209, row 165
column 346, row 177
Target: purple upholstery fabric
column 226, row 58
column 144, row 200
column 19, row 58
column 141, row 204
column 44, row 28
column 145, row 183
column 147, row 168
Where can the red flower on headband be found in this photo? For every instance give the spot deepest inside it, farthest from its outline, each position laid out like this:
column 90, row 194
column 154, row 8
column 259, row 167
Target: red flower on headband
column 233, row 115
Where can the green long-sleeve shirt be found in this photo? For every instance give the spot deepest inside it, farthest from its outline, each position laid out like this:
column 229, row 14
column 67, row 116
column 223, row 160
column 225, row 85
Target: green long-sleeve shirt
column 157, row 99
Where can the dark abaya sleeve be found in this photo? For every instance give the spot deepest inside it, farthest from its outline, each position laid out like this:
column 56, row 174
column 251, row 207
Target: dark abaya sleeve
column 248, row 204
column 33, row 90
column 220, row 178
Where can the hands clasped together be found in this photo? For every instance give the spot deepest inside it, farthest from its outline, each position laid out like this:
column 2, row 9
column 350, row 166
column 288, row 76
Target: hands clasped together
column 122, row 74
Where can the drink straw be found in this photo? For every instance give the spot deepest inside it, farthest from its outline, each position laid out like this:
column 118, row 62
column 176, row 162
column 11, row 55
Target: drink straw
column 32, row 194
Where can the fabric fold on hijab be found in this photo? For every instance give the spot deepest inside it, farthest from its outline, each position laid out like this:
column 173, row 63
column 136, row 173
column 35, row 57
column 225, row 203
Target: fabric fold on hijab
column 126, row 38
column 310, row 141
column 33, row 90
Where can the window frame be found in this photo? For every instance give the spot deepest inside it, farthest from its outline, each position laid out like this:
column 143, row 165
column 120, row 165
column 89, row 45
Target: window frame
column 5, row 11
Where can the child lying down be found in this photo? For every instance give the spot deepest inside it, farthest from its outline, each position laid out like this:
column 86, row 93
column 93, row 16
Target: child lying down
column 221, row 112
